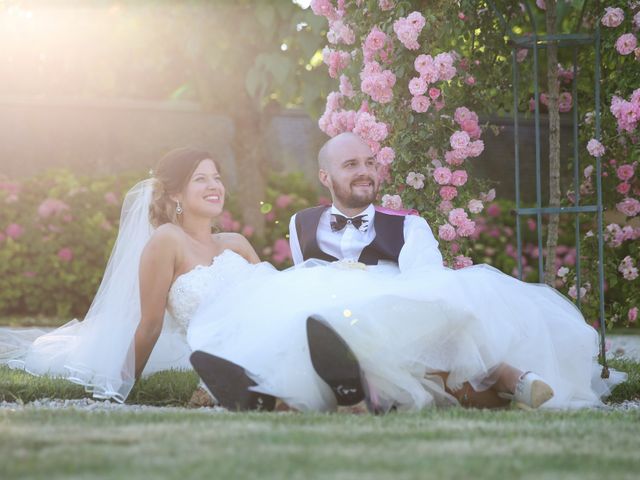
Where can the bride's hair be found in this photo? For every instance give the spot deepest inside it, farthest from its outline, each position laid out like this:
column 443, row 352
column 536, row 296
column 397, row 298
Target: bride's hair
column 171, row 175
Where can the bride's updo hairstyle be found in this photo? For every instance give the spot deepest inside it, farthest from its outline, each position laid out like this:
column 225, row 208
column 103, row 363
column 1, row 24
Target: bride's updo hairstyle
column 171, row 176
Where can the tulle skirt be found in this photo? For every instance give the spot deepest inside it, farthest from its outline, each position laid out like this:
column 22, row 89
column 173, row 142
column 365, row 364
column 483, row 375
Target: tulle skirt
column 404, row 328
column 94, row 354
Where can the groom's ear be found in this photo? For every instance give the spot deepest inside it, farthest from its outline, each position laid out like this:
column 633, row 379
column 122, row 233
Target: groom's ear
column 324, row 178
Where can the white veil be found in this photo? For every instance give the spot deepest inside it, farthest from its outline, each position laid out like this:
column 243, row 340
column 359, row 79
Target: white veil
column 98, row 352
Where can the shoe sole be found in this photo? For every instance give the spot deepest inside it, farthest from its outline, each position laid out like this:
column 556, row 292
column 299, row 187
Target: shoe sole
column 335, row 362
column 540, row 393
column 229, row 383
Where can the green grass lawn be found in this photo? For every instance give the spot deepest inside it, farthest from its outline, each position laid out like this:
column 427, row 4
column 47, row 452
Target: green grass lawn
column 440, row 444
column 173, row 388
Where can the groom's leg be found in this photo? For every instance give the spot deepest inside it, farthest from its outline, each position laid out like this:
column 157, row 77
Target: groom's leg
column 229, row 383
column 335, row 362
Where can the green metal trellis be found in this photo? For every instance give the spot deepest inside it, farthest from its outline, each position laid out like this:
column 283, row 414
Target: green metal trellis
column 535, row 43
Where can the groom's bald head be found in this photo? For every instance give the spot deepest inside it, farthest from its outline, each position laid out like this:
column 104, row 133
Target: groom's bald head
column 343, row 144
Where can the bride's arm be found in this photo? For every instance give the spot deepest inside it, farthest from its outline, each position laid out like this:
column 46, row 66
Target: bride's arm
column 157, row 268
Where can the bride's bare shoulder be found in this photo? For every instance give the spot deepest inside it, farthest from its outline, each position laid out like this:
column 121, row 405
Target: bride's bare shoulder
column 165, row 239
column 239, row 244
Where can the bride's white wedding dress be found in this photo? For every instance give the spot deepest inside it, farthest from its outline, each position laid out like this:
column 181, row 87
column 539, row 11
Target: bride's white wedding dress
column 403, row 327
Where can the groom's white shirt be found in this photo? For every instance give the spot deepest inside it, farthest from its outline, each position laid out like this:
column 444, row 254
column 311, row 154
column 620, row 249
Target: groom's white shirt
column 420, row 249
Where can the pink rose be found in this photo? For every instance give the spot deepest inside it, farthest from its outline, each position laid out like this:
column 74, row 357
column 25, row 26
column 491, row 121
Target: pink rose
column 446, row 232
column 470, row 80
column 111, row 198
column 442, row 175
column 456, row 157
column 612, row 17
column 448, row 193
column 494, row 210
column 420, row 104
column 336, row 60
column 248, row 231
column 632, row 315
column 625, row 172
column 458, row 217
column 459, row 178
column 408, row 29
column 467, row 229
column 346, row 88
column 475, row 148
column 629, row 206
column 472, row 128
column 417, row 86
column 565, row 102
column 393, row 202
column 434, row 93
column 283, row 201
column 463, row 114
column 445, row 206
column 324, row 8
column 541, row 4
column 53, row 206
column 65, row 254
column 424, row 65
column 460, row 261
column 385, row 156
column 521, row 54
column 623, row 188
column 595, row 148
column 14, row 231
column 626, row 43
column 375, row 40
column 340, row 32
column 281, row 251
column 459, row 139
column 386, row 4
column 490, row 196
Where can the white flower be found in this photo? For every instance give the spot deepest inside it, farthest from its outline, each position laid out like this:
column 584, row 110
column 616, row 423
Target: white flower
column 393, row 202
column 415, row 180
column 475, row 206
column 595, row 148
column 563, row 271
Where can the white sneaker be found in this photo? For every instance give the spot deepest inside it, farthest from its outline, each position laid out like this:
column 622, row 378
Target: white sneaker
column 531, row 392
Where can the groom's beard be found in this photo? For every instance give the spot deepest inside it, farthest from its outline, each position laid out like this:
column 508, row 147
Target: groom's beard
column 350, row 198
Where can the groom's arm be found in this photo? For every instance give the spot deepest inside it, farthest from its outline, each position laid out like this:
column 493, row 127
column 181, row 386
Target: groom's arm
column 420, row 248
column 294, row 244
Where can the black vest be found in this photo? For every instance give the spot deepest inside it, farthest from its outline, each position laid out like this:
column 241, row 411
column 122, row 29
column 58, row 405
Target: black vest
column 386, row 245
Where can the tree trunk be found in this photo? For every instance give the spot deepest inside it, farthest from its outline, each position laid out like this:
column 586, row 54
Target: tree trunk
column 554, row 143
column 251, row 165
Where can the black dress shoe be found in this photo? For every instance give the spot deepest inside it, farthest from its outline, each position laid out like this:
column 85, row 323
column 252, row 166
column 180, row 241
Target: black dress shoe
column 335, row 362
column 229, row 383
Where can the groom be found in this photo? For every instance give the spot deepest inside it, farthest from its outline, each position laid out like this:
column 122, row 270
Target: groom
column 353, row 230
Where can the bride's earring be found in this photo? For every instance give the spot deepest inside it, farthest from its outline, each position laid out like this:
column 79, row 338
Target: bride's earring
column 178, row 208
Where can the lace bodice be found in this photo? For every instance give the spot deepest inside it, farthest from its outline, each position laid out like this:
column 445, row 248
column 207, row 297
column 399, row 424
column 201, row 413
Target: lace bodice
column 210, row 281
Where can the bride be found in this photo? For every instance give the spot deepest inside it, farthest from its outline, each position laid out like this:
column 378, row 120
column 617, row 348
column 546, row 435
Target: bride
column 167, row 268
